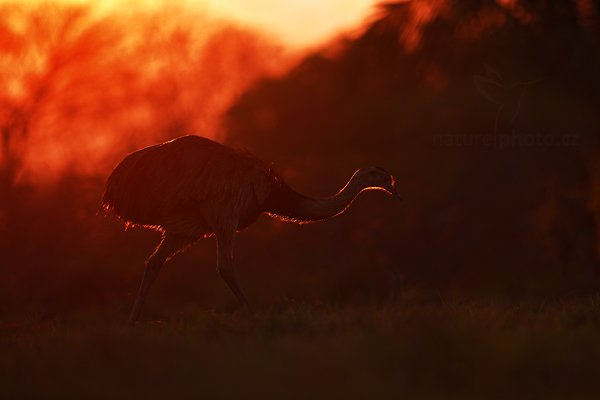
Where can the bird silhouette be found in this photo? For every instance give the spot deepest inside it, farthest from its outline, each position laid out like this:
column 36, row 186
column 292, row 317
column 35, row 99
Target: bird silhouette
column 192, row 187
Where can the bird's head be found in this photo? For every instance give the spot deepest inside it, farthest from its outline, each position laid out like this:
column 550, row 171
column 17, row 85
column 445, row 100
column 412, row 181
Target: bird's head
column 377, row 178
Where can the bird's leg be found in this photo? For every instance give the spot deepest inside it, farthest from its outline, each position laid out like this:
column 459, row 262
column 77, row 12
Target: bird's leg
column 167, row 247
column 225, row 266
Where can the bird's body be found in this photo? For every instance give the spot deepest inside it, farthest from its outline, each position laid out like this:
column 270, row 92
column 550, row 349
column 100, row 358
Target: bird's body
column 193, row 187
column 178, row 186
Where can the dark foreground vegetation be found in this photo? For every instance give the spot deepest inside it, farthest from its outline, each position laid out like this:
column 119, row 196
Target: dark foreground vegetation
column 414, row 347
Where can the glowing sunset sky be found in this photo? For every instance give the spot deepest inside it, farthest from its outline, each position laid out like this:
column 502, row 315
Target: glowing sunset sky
column 295, row 22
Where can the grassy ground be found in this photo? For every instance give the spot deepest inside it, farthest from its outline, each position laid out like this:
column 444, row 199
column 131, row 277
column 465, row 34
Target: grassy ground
column 409, row 348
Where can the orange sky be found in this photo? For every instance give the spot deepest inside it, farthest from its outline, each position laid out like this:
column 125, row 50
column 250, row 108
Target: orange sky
column 297, row 23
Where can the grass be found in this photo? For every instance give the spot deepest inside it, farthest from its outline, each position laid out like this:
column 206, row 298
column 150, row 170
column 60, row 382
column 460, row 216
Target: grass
column 409, row 348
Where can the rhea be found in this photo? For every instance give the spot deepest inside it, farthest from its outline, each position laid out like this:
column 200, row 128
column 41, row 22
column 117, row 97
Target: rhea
column 192, row 187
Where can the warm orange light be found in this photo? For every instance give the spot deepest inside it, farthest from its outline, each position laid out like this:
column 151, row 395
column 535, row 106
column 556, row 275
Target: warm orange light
column 84, row 84
column 81, row 88
column 296, row 23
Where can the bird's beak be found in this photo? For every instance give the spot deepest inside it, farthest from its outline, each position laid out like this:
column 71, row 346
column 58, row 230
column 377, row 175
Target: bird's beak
column 394, row 191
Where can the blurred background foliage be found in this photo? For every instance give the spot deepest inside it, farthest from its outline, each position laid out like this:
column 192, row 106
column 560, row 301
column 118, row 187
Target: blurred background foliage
column 485, row 111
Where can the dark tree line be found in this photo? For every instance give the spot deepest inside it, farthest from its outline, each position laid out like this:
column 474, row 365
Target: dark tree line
column 486, row 114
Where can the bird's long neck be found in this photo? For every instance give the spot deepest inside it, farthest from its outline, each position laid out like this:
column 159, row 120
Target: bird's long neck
column 287, row 204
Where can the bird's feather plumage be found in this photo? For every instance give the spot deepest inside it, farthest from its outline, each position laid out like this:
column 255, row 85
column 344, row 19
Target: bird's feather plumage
column 192, row 187
column 173, row 183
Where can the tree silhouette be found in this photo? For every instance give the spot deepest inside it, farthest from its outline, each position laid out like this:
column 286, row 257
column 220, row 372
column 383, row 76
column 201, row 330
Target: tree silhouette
column 76, row 85
column 503, row 215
